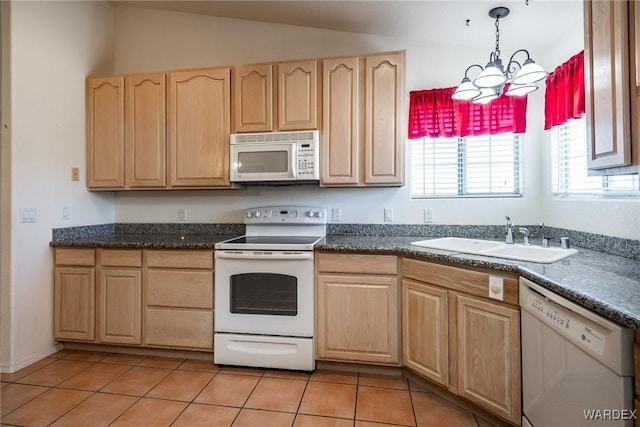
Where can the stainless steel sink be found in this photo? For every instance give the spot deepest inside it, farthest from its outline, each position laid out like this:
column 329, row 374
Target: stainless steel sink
column 497, row 249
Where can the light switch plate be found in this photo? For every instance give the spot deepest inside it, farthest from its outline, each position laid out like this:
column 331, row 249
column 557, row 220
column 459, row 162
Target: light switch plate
column 496, row 288
column 336, row 214
column 388, row 214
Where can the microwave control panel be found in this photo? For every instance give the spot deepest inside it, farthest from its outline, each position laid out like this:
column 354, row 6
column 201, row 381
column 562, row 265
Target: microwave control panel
column 307, row 160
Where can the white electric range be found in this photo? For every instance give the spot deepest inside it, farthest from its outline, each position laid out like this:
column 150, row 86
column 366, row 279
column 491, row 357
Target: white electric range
column 264, row 290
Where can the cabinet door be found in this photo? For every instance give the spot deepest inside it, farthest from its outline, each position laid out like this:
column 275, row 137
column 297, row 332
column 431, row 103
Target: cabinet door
column 253, row 98
column 298, row 95
column 489, row 356
column 358, row 318
column 425, row 331
column 199, row 122
column 74, row 299
column 384, row 119
column 120, row 306
column 145, row 131
column 341, row 129
column 606, row 69
column 105, row 132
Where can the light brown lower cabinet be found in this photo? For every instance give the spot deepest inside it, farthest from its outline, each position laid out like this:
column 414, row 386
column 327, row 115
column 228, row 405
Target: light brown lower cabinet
column 74, row 303
column 357, row 308
column 458, row 338
column 179, row 299
column 489, row 356
column 74, row 292
column 176, row 328
column 120, row 306
column 425, row 324
column 119, row 296
column 155, row 298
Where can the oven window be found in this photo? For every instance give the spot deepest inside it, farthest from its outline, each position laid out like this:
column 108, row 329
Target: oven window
column 264, row 293
column 263, row 161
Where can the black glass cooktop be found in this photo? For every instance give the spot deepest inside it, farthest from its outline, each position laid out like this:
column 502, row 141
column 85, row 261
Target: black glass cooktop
column 274, row 240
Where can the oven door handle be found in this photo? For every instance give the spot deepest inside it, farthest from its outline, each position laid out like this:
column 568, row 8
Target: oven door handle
column 264, row 255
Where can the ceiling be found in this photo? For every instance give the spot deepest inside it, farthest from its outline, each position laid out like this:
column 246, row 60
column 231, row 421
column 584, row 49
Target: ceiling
column 532, row 24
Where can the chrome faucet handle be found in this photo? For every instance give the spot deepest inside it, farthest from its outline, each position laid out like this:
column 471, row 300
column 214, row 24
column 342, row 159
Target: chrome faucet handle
column 509, row 238
column 544, row 239
column 525, row 231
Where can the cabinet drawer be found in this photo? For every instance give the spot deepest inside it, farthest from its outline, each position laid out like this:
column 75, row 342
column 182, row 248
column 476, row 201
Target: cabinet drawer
column 180, row 259
column 120, row 258
column 458, row 279
column 354, row 263
column 172, row 288
column 179, row 328
column 70, row 256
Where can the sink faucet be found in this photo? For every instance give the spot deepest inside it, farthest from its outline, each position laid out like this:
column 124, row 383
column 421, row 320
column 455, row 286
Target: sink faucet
column 526, row 233
column 545, row 239
column 510, row 225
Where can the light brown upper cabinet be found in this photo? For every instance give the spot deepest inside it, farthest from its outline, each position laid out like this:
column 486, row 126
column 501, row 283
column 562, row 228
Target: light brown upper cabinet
column 295, row 105
column 253, row 98
column 363, row 110
column 341, row 132
column 105, row 132
column 199, row 126
column 126, row 146
column 610, row 147
column 145, row 130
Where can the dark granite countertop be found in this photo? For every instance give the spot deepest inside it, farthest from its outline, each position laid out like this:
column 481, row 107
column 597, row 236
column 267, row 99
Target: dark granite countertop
column 607, row 284
column 145, row 241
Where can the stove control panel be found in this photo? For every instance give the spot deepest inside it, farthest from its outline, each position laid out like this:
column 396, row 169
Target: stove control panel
column 285, row 215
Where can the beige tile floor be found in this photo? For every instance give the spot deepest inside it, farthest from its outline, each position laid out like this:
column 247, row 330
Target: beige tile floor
column 81, row 388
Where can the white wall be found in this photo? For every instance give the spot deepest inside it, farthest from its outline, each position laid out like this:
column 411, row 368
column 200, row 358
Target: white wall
column 614, row 217
column 53, row 46
column 151, row 40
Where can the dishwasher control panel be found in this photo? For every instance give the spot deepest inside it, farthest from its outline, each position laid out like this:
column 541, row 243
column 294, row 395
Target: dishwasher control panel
column 579, row 329
column 607, row 341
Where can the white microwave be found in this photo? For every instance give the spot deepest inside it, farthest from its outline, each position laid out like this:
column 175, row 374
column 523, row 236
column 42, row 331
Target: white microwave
column 275, row 157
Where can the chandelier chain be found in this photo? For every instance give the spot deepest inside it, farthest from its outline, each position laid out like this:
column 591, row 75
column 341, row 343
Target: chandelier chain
column 497, row 37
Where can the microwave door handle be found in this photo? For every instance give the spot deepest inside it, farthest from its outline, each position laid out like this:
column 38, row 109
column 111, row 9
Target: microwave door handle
column 294, row 160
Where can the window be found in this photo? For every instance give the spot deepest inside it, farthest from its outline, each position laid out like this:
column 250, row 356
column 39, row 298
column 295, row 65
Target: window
column 474, row 166
column 569, row 165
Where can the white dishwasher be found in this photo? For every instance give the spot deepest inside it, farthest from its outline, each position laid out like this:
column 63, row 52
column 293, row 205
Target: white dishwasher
column 577, row 366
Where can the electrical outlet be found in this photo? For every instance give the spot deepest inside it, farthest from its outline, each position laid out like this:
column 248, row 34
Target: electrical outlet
column 182, row 215
column 336, row 214
column 388, row 214
column 75, row 174
column 428, row 215
column 496, row 288
column 66, row 214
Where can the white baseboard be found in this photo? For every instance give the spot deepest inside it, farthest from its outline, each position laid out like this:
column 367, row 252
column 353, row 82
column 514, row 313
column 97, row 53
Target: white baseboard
column 10, row 368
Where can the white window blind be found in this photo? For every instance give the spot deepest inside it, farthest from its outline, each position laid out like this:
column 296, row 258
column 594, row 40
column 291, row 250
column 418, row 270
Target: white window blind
column 477, row 166
column 569, row 165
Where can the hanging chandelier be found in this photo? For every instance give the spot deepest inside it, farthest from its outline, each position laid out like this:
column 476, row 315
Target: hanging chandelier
column 489, row 84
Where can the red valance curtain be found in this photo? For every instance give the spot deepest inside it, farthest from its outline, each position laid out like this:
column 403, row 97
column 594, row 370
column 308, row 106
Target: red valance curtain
column 432, row 113
column 564, row 96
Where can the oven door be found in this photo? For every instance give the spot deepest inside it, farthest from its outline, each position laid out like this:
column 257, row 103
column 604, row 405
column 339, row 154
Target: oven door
column 264, row 292
column 263, row 162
